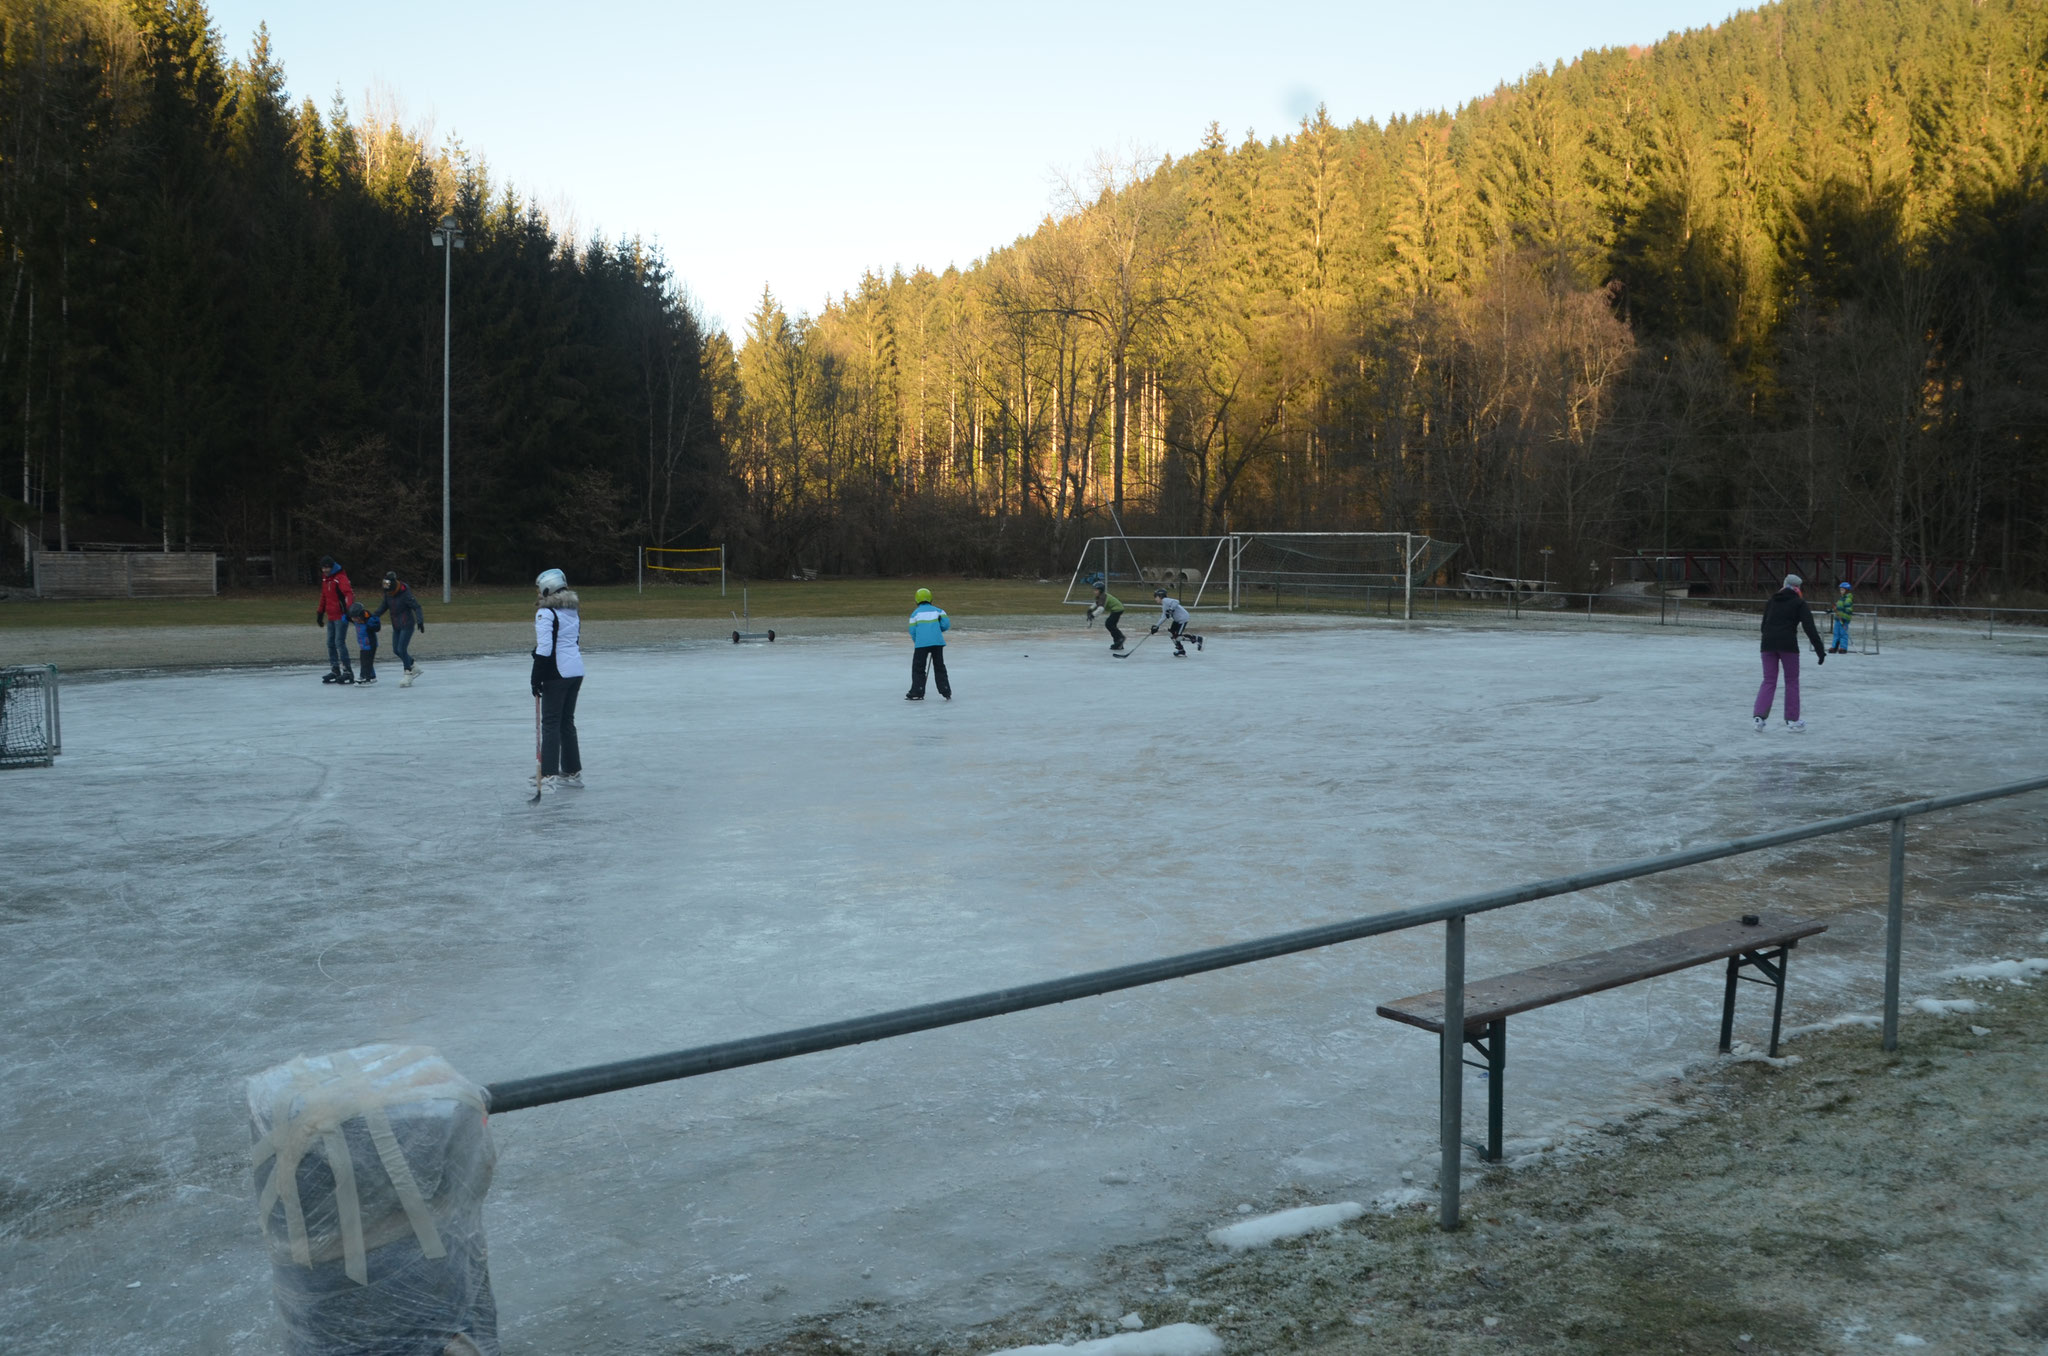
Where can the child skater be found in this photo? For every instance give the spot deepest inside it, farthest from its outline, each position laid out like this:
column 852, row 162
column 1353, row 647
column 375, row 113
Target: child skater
column 367, row 628
column 1175, row 618
column 1784, row 614
column 1107, row 602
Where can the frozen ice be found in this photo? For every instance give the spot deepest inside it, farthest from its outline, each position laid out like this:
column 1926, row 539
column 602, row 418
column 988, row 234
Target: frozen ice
column 1265, row 1229
column 2010, row 971
column 1176, row 1339
column 229, row 869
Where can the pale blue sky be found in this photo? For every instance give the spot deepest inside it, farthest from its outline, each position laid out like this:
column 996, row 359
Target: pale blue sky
column 796, row 145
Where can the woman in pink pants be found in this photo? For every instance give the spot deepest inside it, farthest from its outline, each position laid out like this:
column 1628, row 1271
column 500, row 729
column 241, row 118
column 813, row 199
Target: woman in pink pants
column 1784, row 614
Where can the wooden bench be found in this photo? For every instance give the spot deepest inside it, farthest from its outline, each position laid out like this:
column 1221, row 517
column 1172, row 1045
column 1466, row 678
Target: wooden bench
column 1754, row 941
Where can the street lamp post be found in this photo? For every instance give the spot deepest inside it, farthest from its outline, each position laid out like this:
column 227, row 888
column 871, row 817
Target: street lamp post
column 448, row 236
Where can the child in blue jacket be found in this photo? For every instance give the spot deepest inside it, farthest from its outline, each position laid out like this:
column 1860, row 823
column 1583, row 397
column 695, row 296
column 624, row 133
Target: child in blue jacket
column 367, row 628
column 928, row 626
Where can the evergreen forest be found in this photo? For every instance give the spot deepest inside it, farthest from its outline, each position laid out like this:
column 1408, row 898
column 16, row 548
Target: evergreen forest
column 1778, row 284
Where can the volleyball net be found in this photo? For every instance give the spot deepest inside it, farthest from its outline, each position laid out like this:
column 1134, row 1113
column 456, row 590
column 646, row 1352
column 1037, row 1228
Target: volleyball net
column 681, row 565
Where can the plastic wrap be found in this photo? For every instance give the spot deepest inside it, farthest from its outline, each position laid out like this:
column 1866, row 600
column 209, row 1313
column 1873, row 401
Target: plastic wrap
column 371, row 1167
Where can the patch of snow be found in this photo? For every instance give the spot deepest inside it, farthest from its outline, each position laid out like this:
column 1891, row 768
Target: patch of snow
column 1400, row 1198
column 1832, row 1023
column 2015, row 971
column 1131, row 1322
column 1942, row 1007
column 1308, row 1219
column 1980, row 1031
column 1906, row 1339
column 1178, row 1339
column 1759, row 1057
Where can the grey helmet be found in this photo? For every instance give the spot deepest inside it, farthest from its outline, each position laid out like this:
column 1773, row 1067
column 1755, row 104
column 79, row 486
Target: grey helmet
column 551, row 581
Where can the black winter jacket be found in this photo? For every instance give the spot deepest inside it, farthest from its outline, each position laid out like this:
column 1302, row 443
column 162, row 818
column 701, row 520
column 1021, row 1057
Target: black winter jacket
column 1784, row 614
column 404, row 607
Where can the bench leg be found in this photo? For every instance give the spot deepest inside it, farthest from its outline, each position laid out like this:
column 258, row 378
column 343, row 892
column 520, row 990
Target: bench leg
column 1778, row 1002
column 1496, row 1066
column 1728, row 1005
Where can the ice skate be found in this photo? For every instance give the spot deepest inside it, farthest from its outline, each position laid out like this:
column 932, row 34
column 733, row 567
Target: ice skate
column 913, row 696
column 1179, row 653
column 1796, row 726
column 1116, row 645
column 333, row 676
column 1761, row 724
column 549, row 785
column 347, row 679
column 407, row 679
column 365, row 682
column 1198, row 642
column 570, row 779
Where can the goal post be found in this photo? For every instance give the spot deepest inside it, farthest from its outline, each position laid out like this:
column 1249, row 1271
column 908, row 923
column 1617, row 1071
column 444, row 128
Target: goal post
column 680, row 560
column 1192, row 568
column 30, row 735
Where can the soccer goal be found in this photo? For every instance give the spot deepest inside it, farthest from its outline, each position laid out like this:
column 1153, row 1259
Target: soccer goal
column 29, row 733
column 1334, row 569
column 1190, row 568
column 688, row 565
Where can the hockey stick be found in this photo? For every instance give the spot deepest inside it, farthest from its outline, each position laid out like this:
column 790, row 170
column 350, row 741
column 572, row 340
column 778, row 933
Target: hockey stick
column 536, row 752
column 1126, row 654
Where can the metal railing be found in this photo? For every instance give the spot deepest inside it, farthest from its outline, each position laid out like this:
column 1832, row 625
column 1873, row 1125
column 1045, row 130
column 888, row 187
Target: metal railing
column 519, row 1093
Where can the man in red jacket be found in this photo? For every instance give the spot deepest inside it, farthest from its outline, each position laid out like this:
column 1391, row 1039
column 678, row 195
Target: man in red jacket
column 336, row 597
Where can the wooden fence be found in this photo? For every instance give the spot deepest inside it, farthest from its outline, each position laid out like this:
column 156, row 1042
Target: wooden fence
column 125, row 574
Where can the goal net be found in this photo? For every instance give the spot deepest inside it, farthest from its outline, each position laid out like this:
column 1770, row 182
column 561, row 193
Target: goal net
column 29, row 735
column 1193, row 569
column 1317, row 569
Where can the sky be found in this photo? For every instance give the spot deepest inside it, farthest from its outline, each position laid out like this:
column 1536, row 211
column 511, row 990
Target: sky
column 796, row 146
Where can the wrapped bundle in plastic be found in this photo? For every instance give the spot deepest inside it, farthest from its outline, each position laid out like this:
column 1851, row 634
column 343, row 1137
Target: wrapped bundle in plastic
column 371, row 1168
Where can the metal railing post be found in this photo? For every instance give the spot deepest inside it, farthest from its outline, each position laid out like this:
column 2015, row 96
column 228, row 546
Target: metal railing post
column 640, row 570
column 1452, row 1093
column 1894, row 929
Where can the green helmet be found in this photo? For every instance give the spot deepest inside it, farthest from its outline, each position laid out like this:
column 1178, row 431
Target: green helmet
column 924, row 595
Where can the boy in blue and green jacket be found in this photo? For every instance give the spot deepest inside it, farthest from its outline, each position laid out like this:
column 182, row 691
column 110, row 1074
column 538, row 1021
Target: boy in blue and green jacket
column 928, row 626
column 367, row 628
column 1845, row 611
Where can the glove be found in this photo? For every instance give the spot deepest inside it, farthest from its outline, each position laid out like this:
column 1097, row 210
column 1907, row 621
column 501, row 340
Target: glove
column 536, row 689
column 1155, row 630
column 423, row 628
column 1091, row 614
column 319, row 617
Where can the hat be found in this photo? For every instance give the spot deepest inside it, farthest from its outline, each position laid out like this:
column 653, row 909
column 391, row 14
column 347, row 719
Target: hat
column 1793, row 581
column 390, row 578
column 1844, row 584
column 551, row 581
column 924, row 595
column 1158, row 593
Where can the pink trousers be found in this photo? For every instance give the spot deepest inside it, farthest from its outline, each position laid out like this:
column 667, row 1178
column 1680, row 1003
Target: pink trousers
column 1773, row 661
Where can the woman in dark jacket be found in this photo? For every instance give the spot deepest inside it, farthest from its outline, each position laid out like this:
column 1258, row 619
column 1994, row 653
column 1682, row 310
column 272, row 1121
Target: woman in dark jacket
column 406, row 616
column 1784, row 614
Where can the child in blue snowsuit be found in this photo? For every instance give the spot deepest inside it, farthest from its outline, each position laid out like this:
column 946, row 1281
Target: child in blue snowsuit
column 928, row 626
column 367, row 628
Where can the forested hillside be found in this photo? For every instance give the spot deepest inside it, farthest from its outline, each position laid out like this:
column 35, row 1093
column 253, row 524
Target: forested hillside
column 1772, row 285
column 222, row 324
column 1777, row 284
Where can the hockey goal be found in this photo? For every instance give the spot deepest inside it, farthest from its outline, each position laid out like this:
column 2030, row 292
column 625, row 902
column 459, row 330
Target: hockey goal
column 29, row 733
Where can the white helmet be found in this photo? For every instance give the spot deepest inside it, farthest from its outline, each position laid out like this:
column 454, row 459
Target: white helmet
column 551, row 581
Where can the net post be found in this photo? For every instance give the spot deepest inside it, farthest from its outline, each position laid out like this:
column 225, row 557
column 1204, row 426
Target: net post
column 1407, row 576
column 1451, row 1094
column 1894, row 927
column 640, row 570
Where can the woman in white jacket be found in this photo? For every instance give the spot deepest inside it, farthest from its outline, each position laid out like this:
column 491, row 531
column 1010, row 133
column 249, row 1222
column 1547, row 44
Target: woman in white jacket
column 557, row 677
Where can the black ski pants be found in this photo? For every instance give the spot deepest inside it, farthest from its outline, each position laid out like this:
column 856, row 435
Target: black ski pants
column 1116, row 635
column 935, row 655
column 369, row 664
column 558, row 750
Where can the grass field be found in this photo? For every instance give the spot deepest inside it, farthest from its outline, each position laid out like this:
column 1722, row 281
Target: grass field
column 766, row 598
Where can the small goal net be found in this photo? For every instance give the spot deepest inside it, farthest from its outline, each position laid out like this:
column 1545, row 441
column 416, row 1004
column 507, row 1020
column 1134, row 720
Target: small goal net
column 29, row 734
column 1192, row 569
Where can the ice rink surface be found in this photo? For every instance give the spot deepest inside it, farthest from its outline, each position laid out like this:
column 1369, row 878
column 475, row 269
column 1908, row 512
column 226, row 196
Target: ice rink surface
column 228, row 869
